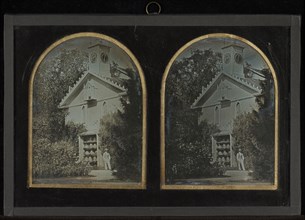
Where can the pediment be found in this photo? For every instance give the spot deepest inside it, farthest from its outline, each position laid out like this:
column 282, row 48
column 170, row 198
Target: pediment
column 224, row 88
column 100, row 87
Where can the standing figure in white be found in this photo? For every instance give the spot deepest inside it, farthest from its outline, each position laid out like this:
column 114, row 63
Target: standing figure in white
column 240, row 160
column 106, row 158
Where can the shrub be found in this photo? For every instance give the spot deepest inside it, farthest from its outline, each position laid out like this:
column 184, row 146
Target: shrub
column 56, row 160
column 254, row 134
column 124, row 145
column 193, row 160
column 188, row 154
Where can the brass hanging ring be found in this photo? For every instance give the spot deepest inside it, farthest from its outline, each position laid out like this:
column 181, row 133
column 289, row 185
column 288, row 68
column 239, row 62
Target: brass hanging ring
column 153, row 3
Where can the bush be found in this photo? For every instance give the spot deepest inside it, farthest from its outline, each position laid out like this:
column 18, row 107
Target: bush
column 56, row 160
column 254, row 134
column 124, row 145
column 129, row 157
column 188, row 154
column 193, row 160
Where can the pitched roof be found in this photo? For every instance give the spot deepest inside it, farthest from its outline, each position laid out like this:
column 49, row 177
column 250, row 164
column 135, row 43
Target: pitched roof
column 255, row 71
column 113, row 83
column 248, row 82
column 99, row 45
column 233, row 45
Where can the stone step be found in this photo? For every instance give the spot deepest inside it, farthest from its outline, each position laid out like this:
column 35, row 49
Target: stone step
column 238, row 171
column 238, row 174
column 102, row 174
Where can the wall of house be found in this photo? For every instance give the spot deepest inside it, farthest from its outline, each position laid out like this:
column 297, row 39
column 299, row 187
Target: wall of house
column 89, row 113
column 221, row 107
column 226, row 88
column 76, row 115
column 226, row 113
column 239, row 102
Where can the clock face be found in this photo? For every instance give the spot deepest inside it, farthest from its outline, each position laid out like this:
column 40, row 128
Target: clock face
column 93, row 57
column 227, row 58
column 238, row 58
column 104, row 57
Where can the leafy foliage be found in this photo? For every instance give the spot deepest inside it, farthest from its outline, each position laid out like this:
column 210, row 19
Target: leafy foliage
column 55, row 144
column 188, row 151
column 188, row 75
column 188, row 155
column 121, row 134
column 254, row 134
column 57, row 159
column 51, row 83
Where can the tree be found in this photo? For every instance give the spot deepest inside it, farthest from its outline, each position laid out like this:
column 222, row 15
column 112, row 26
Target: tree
column 55, row 144
column 188, row 75
column 51, row 83
column 121, row 133
column 188, row 155
column 188, row 151
column 254, row 133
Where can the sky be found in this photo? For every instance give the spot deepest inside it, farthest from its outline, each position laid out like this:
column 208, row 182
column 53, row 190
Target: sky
column 250, row 55
column 116, row 54
column 119, row 56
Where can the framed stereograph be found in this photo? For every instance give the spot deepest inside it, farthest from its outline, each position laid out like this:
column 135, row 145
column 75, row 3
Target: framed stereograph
column 152, row 115
column 87, row 115
column 219, row 106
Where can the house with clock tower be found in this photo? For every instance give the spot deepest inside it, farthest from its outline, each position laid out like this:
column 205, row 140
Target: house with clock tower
column 96, row 93
column 231, row 92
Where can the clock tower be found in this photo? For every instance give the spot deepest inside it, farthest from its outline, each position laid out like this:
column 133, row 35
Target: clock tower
column 233, row 60
column 99, row 60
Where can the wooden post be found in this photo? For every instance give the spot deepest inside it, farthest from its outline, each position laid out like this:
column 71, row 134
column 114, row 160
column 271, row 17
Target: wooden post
column 80, row 148
column 231, row 151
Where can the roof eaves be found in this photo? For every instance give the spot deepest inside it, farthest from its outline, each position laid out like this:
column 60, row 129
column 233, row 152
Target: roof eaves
column 205, row 89
column 73, row 88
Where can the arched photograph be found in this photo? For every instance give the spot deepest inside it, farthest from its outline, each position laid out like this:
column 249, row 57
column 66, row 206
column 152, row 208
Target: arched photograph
column 219, row 117
column 87, row 116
